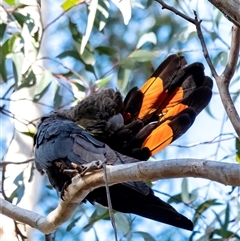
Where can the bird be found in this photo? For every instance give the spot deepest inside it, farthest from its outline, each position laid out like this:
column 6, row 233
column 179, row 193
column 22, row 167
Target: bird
column 149, row 118
column 105, row 128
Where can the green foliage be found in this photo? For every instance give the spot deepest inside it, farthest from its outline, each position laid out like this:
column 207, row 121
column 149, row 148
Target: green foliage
column 238, row 150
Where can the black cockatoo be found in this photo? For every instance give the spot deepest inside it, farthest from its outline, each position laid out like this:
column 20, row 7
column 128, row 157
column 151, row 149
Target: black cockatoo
column 104, row 127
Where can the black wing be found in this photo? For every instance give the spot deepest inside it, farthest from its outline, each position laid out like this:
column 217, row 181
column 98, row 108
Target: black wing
column 60, row 141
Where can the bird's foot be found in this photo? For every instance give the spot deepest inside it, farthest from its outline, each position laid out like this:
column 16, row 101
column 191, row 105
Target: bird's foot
column 70, row 172
column 88, row 167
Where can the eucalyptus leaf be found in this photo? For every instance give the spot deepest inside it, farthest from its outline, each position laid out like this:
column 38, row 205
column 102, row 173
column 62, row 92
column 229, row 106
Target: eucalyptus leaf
column 43, row 85
column 91, row 16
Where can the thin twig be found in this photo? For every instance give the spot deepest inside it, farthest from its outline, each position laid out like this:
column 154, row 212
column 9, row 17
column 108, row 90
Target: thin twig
column 204, row 46
column 5, row 163
column 174, row 10
column 110, row 209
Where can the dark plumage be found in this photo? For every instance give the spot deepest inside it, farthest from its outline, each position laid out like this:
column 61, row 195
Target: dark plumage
column 60, row 141
column 107, row 128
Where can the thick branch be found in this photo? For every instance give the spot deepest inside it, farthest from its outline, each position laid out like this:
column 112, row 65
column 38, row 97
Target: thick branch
column 233, row 54
column 229, row 8
column 225, row 173
column 223, row 81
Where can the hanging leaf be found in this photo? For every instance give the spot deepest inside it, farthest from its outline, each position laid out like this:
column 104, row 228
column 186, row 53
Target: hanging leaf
column 43, row 85
column 94, row 218
column 125, row 8
column 72, row 224
column 137, row 56
column 142, row 56
column 69, row 53
column 3, row 27
column 18, row 59
column 145, row 236
column 69, row 4
column 28, row 80
column 29, row 133
column 237, row 144
column 87, row 57
column 227, row 218
column 10, row 2
column 91, row 16
column 21, row 19
column 203, row 207
column 19, row 191
column 57, row 98
column 102, row 82
column 185, row 194
column 102, row 14
column 147, row 37
column 175, row 199
column 123, row 78
column 106, row 50
column 122, row 222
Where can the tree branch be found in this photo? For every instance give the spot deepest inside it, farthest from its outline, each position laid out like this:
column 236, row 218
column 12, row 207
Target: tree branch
column 229, row 8
column 223, row 80
column 225, row 173
column 233, row 54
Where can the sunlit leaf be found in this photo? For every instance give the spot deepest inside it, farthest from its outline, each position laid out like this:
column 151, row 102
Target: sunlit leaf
column 29, row 133
column 227, row 217
column 185, row 194
column 57, row 98
column 125, row 8
column 21, row 19
column 79, row 84
column 122, row 222
column 225, row 235
column 72, row 224
column 221, row 58
column 91, row 16
column 28, row 80
column 175, row 199
column 128, row 63
column 102, row 82
column 90, row 68
column 18, row 59
column 147, row 37
column 102, row 14
column 2, row 30
column 69, row 53
column 106, row 50
column 203, row 207
column 145, row 236
column 69, row 4
column 94, row 218
column 88, row 56
column 123, row 78
column 237, row 144
column 19, row 191
column 140, row 55
column 3, row 72
column 10, row 2
column 43, row 85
